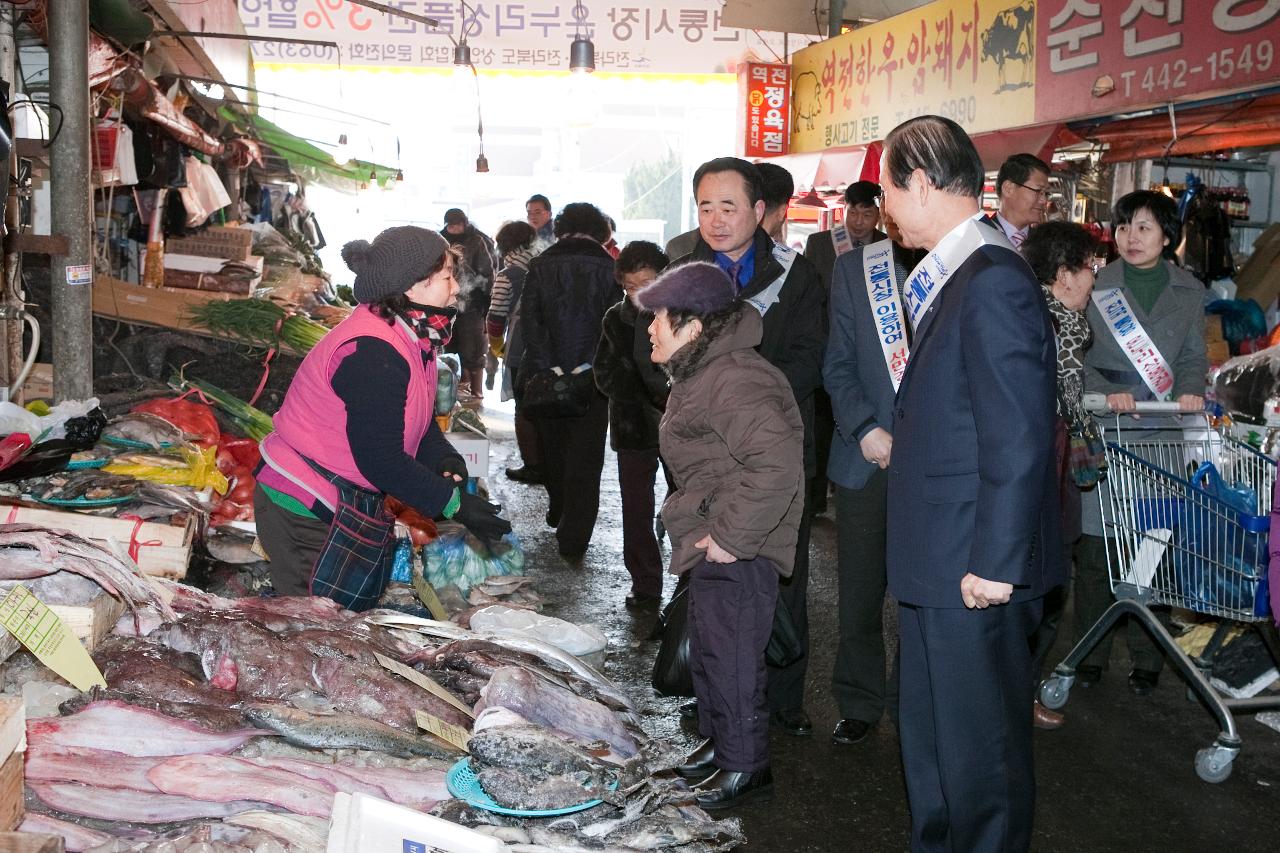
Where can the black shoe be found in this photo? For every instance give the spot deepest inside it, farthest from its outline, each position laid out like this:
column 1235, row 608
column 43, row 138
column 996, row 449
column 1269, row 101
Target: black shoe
column 525, row 474
column 552, row 519
column 1143, row 681
column 641, row 601
column 850, row 731
column 689, row 710
column 1088, row 675
column 726, row 788
column 573, row 556
column 794, row 721
column 700, row 764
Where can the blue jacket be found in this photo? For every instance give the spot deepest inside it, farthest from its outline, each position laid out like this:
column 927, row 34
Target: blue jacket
column 854, row 374
column 973, row 480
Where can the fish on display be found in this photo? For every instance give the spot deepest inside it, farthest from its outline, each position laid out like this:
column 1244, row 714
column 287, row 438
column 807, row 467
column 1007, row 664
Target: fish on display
column 92, row 485
column 341, row 731
column 128, row 729
column 145, row 428
column 120, row 804
column 529, row 767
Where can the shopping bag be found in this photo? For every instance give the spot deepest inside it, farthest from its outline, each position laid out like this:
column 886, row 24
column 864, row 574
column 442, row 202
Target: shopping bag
column 671, row 676
column 552, row 393
column 1223, row 545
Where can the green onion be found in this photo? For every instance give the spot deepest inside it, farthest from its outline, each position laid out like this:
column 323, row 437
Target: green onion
column 254, row 423
column 259, row 321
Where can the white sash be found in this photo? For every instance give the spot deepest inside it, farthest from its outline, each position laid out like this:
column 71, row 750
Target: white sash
column 767, row 298
column 841, row 240
column 886, row 310
column 926, row 280
column 1134, row 341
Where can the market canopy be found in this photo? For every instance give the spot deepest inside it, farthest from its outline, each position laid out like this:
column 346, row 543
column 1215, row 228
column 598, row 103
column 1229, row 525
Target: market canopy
column 307, row 160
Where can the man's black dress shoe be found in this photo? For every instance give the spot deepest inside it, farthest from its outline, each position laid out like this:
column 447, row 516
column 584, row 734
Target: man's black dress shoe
column 1143, row 681
column 700, row 764
column 850, row 731
column 689, row 710
column 525, row 474
column 640, row 601
column 794, row 721
column 1088, row 675
column 727, row 788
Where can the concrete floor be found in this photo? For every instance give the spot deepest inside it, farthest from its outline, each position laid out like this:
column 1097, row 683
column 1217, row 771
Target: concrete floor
column 1118, row 776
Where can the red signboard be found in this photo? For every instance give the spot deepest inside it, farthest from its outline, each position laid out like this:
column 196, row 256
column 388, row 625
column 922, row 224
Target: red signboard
column 766, row 108
column 1101, row 57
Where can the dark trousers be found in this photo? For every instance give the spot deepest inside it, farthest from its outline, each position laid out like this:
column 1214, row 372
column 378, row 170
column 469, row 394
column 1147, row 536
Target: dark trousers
column 786, row 684
column 858, row 682
column 572, row 455
column 824, row 429
column 1093, row 596
column 965, row 730
column 527, row 439
column 469, row 340
column 293, row 542
column 637, row 474
column 730, row 619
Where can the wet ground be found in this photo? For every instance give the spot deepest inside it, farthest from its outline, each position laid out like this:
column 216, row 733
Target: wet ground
column 1118, row 776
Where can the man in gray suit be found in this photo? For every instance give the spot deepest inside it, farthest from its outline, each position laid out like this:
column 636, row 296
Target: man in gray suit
column 860, row 380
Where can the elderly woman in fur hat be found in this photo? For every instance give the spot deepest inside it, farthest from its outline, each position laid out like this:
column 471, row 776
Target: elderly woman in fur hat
column 733, row 440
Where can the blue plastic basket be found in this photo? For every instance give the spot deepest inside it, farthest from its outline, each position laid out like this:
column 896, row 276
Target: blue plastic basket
column 463, row 784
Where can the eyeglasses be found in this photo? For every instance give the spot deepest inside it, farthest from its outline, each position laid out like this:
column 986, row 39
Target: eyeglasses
column 1043, row 193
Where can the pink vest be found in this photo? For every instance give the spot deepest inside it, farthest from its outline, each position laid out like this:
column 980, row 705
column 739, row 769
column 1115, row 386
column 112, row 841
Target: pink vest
column 313, row 420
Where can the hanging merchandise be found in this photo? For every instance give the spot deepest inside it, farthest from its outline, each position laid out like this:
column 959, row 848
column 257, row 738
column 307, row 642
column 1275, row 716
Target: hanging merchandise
column 203, row 195
column 1208, row 233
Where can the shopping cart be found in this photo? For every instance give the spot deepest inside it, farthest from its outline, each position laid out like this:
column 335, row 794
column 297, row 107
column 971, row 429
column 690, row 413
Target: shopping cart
column 1185, row 515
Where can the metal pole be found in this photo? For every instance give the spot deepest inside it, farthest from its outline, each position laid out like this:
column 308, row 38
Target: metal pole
column 10, row 329
column 71, row 201
column 835, row 17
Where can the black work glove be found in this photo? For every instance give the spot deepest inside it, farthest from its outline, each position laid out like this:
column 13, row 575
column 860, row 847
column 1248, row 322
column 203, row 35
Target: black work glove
column 451, row 465
column 481, row 518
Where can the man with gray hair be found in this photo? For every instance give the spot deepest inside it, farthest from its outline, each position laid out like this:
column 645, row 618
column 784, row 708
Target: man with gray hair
column 972, row 499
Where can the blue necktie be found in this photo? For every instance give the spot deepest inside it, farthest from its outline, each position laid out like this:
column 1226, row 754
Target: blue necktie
column 734, row 270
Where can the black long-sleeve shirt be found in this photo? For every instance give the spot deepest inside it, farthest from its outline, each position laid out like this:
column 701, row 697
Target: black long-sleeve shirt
column 373, row 383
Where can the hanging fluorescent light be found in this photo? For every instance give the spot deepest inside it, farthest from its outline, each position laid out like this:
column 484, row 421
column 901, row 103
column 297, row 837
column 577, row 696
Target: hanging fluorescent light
column 582, row 53
column 582, row 56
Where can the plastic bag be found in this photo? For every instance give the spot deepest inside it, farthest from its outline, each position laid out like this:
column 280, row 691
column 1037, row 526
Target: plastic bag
column 506, row 621
column 199, row 469
column 193, row 418
column 456, row 557
column 671, row 676
column 1222, row 557
column 14, row 418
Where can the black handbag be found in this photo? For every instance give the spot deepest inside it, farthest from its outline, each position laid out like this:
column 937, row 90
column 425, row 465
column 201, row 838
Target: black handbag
column 671, row 676
column 552, row 393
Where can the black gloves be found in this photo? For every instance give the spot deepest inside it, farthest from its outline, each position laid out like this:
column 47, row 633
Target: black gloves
column 451, row 465
column 481, row 518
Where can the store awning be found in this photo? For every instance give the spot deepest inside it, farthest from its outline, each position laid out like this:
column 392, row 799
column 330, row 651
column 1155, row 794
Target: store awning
column 308, row 161
column 1250, row 122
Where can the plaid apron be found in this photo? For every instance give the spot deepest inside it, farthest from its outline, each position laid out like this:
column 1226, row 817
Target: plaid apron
column 354, row 565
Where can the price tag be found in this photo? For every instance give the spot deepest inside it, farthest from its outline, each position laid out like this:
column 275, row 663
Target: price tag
column 423, row 681
column 447, row 732
column 426, row 592
column 34, row 625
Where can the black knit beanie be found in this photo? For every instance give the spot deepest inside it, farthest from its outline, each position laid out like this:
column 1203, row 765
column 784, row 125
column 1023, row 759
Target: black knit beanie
column 395, row 261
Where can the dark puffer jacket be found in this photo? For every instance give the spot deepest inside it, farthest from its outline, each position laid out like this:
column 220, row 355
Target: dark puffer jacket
column 475, row 278
column 566, row 292
column 733, row 440
column 636, row 387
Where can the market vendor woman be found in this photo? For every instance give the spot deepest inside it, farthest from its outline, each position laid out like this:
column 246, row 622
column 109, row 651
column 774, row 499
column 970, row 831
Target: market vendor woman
column 357, row 425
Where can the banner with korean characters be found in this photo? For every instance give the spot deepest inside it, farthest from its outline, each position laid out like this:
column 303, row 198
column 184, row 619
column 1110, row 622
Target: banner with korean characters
column 1113, row 56
column 764, row 91
column 677, row 36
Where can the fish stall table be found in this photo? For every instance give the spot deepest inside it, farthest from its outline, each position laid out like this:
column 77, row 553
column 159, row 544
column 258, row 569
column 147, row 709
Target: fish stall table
column 242, row 724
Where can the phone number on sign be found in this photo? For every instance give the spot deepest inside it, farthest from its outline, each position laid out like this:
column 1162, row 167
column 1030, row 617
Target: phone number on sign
column 272, row 50
column 1220, row 66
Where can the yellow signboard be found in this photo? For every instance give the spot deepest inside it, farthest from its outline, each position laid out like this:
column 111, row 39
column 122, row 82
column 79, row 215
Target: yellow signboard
column 969, row 60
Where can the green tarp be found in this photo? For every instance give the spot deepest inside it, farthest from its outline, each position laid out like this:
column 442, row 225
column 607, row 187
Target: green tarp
column 309, row 161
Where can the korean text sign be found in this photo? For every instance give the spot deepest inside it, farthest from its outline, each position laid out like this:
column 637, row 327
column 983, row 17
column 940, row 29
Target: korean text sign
column 765, row 108
column 1110, row 56
column 969, row 60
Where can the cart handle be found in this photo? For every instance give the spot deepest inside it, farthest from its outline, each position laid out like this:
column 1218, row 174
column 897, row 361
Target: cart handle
column 1097, row 404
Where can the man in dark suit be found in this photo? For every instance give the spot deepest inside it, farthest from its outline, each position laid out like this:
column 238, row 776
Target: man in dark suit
column 972, row 500
column 861, row 218
column 860, row 376
column 731, row 206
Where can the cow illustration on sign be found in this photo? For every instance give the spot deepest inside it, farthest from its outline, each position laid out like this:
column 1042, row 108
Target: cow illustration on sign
column 1011, row 36
column 806, row 100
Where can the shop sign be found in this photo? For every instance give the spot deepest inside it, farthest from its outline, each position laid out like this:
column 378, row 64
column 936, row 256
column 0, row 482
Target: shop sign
column 678, row 36
column 969, row 60
column 766, row 109
column 1110, row 57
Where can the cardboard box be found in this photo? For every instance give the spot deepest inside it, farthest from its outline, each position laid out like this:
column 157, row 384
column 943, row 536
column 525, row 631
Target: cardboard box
column 39, row 384
column 155, row 306
column 1259, row 278
column 474, row 449
column 1218, row 352
column 216, row 241
column 164, row 549
column 1213, row 328
column 31, row 842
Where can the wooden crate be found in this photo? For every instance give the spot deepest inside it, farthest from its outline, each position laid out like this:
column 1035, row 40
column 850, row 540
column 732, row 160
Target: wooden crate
column 216, row 241
column 165, row 548
column 91, row 623
column 31, row 842
column 11, row 810
column 156, row 306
